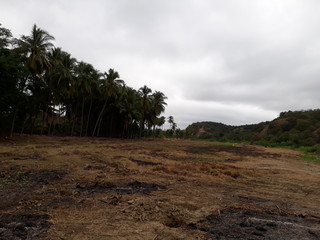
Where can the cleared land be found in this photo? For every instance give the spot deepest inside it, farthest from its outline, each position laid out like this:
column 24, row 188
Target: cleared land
column 83, row 188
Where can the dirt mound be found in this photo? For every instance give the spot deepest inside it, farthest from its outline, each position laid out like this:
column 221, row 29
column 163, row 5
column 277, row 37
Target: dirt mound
column 249, row 224
column 20, row 227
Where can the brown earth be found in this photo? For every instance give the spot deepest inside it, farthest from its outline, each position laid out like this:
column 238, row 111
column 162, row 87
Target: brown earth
column 84, row 188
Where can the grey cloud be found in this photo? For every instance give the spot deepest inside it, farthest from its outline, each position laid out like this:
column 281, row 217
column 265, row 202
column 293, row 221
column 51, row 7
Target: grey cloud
column 230, row 61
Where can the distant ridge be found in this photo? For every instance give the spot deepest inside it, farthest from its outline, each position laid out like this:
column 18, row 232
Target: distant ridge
column 292, row 128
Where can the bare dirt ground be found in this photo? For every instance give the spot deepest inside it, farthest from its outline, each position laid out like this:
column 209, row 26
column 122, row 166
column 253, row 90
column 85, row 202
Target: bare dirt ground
column 83, row 188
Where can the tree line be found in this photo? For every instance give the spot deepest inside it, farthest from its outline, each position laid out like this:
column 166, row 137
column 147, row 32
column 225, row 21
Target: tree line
column 44, row 90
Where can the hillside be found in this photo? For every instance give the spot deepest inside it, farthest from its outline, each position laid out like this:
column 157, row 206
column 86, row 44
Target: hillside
column 292, row 128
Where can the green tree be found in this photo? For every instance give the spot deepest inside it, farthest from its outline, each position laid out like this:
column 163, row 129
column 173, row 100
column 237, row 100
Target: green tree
column 11, row 74
column 86, row 77
column 110, row 89
column 145, row 95
column 61, row 80
column 36, row 47
column 157, row 107
column 129, row 106
column 5, row 37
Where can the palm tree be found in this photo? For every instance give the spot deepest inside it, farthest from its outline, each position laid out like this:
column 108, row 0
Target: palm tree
column 160, row 121
column 129, row 106
column 5, row 37
column 157, row 107
column 61, row 74
column 36, row 47
column 145, row 95
column 60, row 78
column 86, row 77
column 110, row 90
column 171, row 122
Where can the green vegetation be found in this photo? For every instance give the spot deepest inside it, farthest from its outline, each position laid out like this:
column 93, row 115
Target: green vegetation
column 310, row 154
column 44, row 90
column 310, row 158
column 290, row 129
column 17, row 178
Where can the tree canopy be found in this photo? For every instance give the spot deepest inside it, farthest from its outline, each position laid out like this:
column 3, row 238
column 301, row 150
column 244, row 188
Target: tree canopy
column 44, row 90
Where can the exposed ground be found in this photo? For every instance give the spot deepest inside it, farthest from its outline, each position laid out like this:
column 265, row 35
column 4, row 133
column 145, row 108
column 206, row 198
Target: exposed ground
column 72, row 188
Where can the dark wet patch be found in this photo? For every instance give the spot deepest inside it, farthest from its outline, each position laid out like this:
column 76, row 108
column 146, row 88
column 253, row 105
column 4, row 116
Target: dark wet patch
column 135, row 187
column 239, row 150
column 20, row 227
column 56, row 202
column 39, row 177
column 33, row 157
column 113, row 200
column 17, row 185
column 7, row 154
column 94, row 168
column 174, row 220
column 231, row 160
column 248, row 224
column 31, row 177
column 144, row 163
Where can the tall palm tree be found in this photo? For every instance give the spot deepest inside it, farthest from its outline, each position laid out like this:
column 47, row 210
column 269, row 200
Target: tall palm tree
column 158, row 102
column 145, row 95
column 62, row 72
column 129, row 106
column 86, row 77
column 60, row 78
column 110, row 90
column 157, row 107
column 171, row 121
column 36, row 47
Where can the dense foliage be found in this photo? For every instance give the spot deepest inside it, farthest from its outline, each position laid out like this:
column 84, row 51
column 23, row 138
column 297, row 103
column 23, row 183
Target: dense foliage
column 292, row 128
column 45, row 90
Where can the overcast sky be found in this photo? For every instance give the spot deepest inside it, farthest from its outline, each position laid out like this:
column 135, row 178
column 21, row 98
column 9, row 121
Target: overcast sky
column 231, row 61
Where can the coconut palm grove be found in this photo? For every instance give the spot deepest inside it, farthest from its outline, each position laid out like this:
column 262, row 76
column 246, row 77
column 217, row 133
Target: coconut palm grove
column 44, row 90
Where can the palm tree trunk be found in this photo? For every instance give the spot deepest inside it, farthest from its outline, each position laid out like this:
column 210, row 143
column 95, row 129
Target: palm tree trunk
column 74, row 117
column 142, row 126
column 154, row 131
column 99, row 118
column 82, row 112
column 52, row 125
column 88, row 119
column 72, row 127
column 111, row 131
column 33, row 121
column 99, row 127
column 13, row 122
column 44, row 115
column 23, row 125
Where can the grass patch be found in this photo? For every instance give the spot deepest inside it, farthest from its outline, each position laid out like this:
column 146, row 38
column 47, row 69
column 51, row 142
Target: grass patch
column 217, row 142
column 18, row 179
column 311, row 153
column 310, row 158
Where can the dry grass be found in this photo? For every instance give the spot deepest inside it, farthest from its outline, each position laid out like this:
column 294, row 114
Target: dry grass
column 82, row 185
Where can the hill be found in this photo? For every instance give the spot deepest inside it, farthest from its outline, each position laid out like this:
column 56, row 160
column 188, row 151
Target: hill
column 292, row 128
